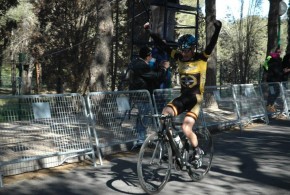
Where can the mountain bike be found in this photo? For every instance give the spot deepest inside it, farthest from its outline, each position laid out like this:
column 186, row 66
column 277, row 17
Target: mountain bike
column 160, row 151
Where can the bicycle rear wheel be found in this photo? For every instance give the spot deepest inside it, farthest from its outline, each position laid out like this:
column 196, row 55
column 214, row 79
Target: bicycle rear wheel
column 154, row 163
column 205, row 142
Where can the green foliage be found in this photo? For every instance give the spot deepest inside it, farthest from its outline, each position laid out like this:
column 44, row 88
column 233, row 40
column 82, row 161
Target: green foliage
column 6, row 23
column 242, row 47
column 65, row 40
column 121, row 42
column 61, row 36
column 288, row 30
column 5, row 5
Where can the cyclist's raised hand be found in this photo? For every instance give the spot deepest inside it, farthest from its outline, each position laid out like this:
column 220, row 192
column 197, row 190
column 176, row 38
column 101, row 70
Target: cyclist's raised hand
column 147, row 26
column 217, row 24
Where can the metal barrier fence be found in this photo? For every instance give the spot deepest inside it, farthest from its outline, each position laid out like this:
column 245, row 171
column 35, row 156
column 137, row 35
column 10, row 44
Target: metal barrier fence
column 42, row 131
column 120, row 117
column 250, row 106
column 220, row 108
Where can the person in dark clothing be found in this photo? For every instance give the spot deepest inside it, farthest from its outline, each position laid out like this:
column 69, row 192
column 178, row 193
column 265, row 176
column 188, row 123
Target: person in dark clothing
column 145, row 78
column 160, row 58
column 275, row 70
column 274, row 75
column 286, row 67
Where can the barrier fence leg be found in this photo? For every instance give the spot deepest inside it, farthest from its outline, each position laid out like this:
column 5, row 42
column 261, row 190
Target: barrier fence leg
column 1, row 180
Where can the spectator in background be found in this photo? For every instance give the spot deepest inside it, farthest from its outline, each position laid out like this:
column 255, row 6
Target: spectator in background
column 145, row 78
column 286, row 72
column 161, row 59
column 274, row 74
column 166, row 83
column 286, row 67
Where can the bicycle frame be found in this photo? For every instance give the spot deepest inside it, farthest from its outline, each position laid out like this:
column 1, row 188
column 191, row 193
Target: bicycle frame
column 166, row 120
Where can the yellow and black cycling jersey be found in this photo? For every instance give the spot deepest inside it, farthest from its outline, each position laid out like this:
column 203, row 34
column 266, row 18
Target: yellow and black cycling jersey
column 192, row 73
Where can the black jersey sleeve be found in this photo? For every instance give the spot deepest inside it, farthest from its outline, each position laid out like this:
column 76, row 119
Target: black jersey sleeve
column 209, row 48
column 160, row 43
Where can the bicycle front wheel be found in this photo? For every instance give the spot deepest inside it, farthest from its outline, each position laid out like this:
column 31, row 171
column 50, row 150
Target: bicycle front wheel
column 205, row 142
column 154, row 163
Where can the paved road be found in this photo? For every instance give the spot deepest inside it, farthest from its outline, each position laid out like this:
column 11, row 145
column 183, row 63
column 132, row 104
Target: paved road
column 253, row 162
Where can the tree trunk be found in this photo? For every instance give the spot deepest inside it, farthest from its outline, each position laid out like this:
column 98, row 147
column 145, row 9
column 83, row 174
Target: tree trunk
column 98, row 68
column 241, row 62
column 27, row 77
column 288, row 30
column 1, row 76
column 273, row 25
column 210, row 10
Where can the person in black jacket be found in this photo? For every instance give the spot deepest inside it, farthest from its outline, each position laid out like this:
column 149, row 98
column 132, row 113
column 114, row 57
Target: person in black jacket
column 286, row 67
column 145, row 78
column 274, row 75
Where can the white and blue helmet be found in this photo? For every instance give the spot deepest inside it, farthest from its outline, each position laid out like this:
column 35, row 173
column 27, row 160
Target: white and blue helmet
column 186, row 41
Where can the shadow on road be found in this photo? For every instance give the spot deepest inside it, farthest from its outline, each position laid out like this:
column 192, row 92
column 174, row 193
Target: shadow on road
column 260, row 156
column 124, row 172
column 256, row 159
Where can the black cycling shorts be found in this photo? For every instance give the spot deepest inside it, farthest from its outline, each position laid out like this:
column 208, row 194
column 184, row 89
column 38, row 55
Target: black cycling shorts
column 187, row 102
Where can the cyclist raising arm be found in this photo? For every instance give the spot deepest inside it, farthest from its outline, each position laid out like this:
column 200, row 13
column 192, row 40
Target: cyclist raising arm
column 192, row 70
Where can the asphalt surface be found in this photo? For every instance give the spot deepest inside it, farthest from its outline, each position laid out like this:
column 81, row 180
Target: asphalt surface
column 254, row 162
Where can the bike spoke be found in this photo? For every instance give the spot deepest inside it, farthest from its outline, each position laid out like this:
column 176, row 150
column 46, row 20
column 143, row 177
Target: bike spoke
column 153, row 170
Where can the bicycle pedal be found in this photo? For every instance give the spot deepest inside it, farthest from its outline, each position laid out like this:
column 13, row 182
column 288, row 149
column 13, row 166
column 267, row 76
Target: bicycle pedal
column 197, row 163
